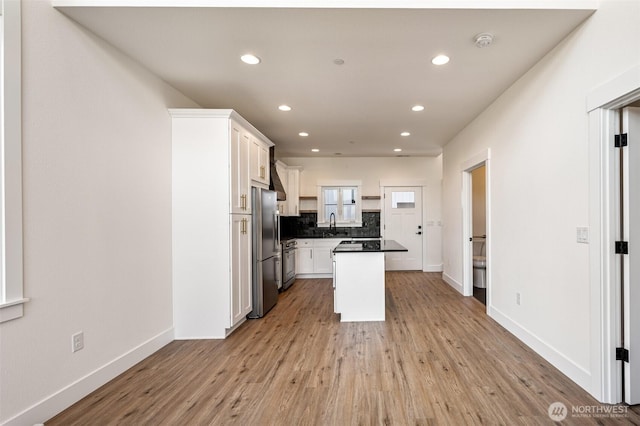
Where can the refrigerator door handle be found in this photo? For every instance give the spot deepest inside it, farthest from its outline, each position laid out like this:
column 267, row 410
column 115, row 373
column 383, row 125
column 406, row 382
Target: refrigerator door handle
column 276, row 237
column 278, row 272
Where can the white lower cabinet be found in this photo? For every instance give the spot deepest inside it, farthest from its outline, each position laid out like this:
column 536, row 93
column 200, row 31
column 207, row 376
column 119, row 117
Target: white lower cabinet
column 359, row 286
column 315, row 256
column 304, row 257
column 241, row 301
column 323, row 256
column 336, row 306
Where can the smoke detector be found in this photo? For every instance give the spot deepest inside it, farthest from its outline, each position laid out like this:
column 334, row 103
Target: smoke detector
column 483, row 40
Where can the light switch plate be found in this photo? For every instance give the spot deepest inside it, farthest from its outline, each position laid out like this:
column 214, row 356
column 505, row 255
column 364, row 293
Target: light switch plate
column 582, row 235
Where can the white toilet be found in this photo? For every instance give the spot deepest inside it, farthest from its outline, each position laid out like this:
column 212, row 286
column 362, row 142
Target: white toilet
column 480, row 271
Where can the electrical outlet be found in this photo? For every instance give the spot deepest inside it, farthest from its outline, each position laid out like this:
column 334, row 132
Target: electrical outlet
column 517, row 298
column 582, row 235
column 77, row 341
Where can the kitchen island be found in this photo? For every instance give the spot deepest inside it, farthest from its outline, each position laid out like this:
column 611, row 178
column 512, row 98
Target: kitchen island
column 358, row 279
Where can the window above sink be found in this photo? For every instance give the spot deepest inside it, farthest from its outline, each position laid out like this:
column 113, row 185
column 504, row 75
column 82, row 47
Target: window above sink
column 341, row 200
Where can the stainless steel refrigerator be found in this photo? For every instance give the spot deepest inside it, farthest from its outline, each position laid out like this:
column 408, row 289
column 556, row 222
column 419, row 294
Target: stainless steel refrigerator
column 267, row 272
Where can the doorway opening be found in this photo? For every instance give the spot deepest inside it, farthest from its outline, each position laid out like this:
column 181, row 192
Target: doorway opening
column 627, row 174
column 476, row 225
column 479, row 233
column 614, row 239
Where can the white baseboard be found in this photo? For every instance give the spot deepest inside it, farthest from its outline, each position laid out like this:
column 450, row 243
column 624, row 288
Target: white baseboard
column 433, row 268
column 569, row 368
column 72, row 393
column 572, row 370
column 453, row 283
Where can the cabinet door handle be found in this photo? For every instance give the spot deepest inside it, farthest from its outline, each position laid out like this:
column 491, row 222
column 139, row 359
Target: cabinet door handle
column 261, row 172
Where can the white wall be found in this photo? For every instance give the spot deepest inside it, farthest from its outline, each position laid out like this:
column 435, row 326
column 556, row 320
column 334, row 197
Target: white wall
column 368, row 169
column 539, row 185
column 371, row 171
column 97, row 217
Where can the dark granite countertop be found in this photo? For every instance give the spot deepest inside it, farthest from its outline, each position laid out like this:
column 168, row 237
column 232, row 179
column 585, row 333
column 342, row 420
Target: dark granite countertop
column 368, row 246
column 327, row 237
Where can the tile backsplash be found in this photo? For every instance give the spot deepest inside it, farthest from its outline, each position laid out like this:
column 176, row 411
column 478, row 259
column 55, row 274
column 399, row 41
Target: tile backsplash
column 305, row 226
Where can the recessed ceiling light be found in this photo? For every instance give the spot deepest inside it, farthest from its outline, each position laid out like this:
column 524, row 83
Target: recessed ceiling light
column 417, row 108
column 440, row 60
column 250, row 59
column 315, row 150
column 405, row 134
column 397, row 149
column 284, row 108
column 303, row 134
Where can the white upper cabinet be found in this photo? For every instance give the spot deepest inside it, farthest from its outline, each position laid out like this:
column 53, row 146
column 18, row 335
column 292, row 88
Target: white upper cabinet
column 259, row 161
column 293, row 191
column 282, row 170
column 240, row 184
column 290, row 178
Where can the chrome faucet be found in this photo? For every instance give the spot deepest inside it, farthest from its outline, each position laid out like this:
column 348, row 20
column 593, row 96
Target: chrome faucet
column 332, row 215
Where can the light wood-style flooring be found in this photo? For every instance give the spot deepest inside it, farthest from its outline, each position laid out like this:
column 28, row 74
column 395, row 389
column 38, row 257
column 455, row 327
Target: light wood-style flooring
column 438, row 359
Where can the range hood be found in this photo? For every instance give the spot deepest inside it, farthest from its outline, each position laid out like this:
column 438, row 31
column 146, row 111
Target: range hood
column 275, row 184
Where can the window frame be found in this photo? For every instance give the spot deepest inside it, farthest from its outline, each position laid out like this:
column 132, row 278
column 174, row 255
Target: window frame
column 399, row 203
column 323, row 222
column 11, row 255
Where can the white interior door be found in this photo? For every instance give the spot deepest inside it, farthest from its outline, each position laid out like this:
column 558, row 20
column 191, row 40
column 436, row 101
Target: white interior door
column 403, row 223
column 631, row 269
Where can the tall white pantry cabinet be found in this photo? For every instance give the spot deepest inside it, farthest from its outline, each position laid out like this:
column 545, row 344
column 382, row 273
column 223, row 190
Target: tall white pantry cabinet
column 211, row 229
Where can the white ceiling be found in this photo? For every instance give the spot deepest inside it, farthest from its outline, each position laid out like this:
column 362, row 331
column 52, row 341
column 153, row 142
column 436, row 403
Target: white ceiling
column 355, row 109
